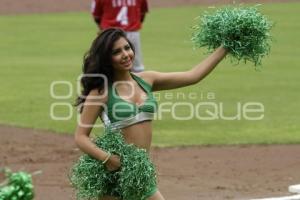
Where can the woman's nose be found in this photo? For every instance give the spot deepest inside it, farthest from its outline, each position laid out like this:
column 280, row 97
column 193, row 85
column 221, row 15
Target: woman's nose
column 124, row 54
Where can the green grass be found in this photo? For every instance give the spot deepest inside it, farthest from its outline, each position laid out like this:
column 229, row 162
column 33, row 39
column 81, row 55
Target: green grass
column 39, row 49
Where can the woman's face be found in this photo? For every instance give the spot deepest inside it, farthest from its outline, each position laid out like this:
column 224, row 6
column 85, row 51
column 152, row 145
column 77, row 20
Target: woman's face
column 122, row 55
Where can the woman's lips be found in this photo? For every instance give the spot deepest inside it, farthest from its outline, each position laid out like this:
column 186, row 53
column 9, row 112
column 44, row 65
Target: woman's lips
column 126, row 63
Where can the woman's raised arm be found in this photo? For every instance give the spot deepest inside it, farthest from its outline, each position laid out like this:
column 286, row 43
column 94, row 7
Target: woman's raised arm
column 172, row 80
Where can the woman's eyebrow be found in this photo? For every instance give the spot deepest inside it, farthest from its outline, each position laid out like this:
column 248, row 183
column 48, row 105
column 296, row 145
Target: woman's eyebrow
column 126, row 45
column 117, row 49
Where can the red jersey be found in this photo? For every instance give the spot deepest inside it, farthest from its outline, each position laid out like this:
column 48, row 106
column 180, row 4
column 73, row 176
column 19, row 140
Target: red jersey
column 125, row 14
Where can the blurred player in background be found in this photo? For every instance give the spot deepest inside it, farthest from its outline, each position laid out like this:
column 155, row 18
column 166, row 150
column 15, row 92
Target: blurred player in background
column 127, row 15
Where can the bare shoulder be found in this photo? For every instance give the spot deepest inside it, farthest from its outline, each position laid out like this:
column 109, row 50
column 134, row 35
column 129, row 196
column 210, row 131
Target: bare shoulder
column 148, row 76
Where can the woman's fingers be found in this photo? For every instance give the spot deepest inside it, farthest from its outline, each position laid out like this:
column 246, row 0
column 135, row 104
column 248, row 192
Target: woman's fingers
column 113, row 163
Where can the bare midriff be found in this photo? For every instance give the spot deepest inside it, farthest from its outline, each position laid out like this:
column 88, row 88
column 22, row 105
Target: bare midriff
column 139, row 134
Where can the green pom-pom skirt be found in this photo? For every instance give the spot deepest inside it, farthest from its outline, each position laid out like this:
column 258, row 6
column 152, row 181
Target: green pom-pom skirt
column 135, row 180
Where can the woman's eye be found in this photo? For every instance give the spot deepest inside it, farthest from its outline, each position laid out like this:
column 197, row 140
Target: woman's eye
column 127, row 47
column 115, row 52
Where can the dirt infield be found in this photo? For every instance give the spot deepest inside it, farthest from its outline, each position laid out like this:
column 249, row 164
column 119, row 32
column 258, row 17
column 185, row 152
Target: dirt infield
column 193, row 173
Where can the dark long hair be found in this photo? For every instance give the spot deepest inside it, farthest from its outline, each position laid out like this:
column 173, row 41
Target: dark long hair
column 98, row 61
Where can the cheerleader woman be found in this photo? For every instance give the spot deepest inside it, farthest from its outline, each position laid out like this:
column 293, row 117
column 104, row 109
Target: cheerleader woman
column 123, row 99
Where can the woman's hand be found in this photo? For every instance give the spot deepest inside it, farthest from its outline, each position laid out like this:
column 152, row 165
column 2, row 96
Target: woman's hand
column 114, row 163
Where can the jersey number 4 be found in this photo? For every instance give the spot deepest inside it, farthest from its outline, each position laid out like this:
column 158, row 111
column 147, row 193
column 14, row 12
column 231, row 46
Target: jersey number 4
column 122, row 16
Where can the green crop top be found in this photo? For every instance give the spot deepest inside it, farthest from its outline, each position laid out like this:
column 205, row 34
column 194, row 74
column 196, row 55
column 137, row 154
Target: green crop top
column 121, row 113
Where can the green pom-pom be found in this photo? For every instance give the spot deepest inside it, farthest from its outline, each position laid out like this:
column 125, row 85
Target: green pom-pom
column 136, row 176
column 19, row 186
column 242, row 30
column 89, row 176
